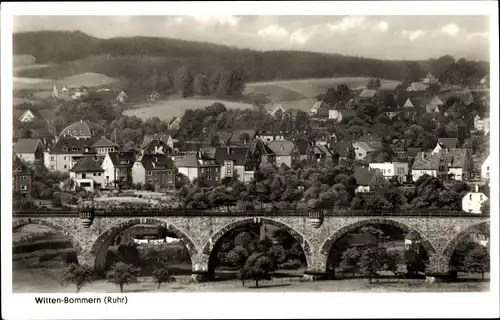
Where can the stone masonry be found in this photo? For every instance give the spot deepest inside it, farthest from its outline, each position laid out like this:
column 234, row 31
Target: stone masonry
column 439, row 235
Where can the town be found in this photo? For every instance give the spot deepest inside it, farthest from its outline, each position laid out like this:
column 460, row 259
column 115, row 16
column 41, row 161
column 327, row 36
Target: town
column 199, row 177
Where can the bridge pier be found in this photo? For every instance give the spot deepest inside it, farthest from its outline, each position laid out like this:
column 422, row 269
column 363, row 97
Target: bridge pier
column 201, row 272
column 438, row 265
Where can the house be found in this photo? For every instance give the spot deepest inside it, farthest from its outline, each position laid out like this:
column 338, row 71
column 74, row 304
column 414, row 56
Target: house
column 482, row 124
column 83, row 130
column 174, row 123
column 334, row 113
column 29, row 150
column 485, row 168
column 472, row 201
column 103, row 146
column 158, row 143
column 372, row 139
column 117, row 167
column 29, row 115
column 399, row 147
column 303, row 145
column 199, row 166
column 361, row 149
column 88, row 174
column 286, row 152
column 242, row 136
column 369, row 180
column 368, row 95
column 320, row 109
column 417, row 86
column 445, row 144
column 157, row 170
column 392, row 170
column 122, row 97
column 236, row 162
column 341, row 149
column 319, row 153
column 21, row 178
column 429, row 79
column 277, row 110
column 270, row 135
column 433, row 105
column 67, row 151
column 460, row 164
column 432, row 164
column 346, row 115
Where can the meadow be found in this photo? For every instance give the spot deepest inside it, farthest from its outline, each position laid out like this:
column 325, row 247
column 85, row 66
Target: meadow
column 167, row 109
column 85, row 79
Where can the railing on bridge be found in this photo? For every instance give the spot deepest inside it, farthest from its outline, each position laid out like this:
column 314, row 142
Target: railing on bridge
column 124, row 212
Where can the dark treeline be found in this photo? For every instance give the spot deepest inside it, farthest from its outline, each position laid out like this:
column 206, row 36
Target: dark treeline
column 144, row 59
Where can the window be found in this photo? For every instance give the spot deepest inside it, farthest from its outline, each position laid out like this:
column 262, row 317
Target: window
column 24, row 177
column 209, row 177
column 488, row 168
column 389, row 170
column 170, row 173
column 24, row 187
column 94, row 174
column 69, row 132
column 216, row 169
column 216, row 178
column 75, row 132
column 470, row 197
column 156, row 180
column 73, row 149
column 64, row 158
column 65, row 166
column 51, row 158
column 169, row 181
column 84, row 175
column 481, row 197
column 150, row 181
column 81, row 132
column 149, row 173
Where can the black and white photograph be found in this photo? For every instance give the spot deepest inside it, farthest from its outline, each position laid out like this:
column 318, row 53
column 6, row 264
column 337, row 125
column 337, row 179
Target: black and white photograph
column 248, row 153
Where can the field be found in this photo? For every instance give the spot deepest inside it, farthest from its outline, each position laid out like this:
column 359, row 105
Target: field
column 167, row 109
column 46, row 282
column 309, row 88
column 85, row 79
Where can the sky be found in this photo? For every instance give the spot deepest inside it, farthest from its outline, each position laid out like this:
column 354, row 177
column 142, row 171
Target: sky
column 382, row 37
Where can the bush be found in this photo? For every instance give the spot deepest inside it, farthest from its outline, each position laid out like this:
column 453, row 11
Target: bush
column 290, row 265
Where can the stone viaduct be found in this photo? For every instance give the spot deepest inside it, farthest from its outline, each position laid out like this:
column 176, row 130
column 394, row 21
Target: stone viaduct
column 92, row 233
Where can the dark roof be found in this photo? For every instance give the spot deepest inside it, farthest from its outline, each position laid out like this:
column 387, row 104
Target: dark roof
column 363, row 176
column 150, row 137
column 173, row 120
column 18, row 163
column 117, row 157
column 448, row 143
column 83, row 128
column 412, row 151
column 87, row 164
column 341, row 148
column 27, row 145
column 370, row 137
column 302, row 145
column 129, row 146
column 70, row 142
column 346, row 113
column 455, row 158
column 368, row 93
column 426, row 161
column 157, row 162
column 237, row 154
column 236, row 134
column 188, row 160
column 282, row 148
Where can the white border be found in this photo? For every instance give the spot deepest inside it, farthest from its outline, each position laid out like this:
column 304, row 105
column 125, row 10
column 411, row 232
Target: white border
column 248, row 305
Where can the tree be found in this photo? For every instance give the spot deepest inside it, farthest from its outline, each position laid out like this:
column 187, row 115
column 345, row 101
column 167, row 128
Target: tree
column 259, row 266
column 391, row 259
column 77, row 275
column 370, row 261
column 161, row 275
column 350, row 260
column 477, row 260
column 122, row 274
column 200, row 85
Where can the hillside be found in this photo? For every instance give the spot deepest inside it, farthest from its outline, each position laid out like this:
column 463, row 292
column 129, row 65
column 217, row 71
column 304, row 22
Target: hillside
column 155, row 63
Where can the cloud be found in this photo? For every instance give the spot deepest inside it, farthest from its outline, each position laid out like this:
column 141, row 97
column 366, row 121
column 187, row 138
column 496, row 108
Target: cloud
column 473, row 35
column 300, row 36
column 347, row 23
column 413, row 34
column 273, row 31
column 450, row 29
column 382, row 26
column 217, row 19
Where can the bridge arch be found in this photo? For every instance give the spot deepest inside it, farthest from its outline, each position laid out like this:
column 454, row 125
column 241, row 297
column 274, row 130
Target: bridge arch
column 211, row 244
column 16, row 224
column 330, row 242
column 100, row 247
column 481, row 227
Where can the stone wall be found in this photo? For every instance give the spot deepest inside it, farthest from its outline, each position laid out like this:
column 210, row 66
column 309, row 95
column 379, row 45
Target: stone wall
column 201, row 234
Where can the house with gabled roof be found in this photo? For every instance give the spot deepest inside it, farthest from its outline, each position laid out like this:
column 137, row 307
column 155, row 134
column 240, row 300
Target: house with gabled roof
column 118, row 168
column 278, row 108
column 320, row 109
column 373, row 139
column 361, row 149
column 67, row 151
column 432, row 164
column 460, row 164
column 417, row 86
column 156, row 170
column 341, row 149
column 235, row 162
column 174, row 123
column 83, row 130
column 21, row 178
column 122, row 97
column 368, row 94
column 486, row 168
column 473, row 201
column 242, row 136
column 29, row 115
column 29, row 150
column 433, row 104
column 445, row 144
column 103, row 146
column 200, row 166
column 346, row 115
column 88, row 174
column 158, row 143
column 369, row 180
column 482, row 124
column 286, row 152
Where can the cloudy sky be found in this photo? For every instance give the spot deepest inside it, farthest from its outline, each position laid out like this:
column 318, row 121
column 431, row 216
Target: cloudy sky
column 385, row 37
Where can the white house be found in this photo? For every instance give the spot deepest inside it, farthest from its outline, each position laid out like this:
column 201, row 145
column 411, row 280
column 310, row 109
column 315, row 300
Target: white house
column 88, row 174
column 432, row 164
column 117, row 167
column 392, row 169
column 472, row 201
column 482, row 124
column 445, row 144
column 187, row 165
column 361, row 149
column 334, row 114
column 485, row 168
